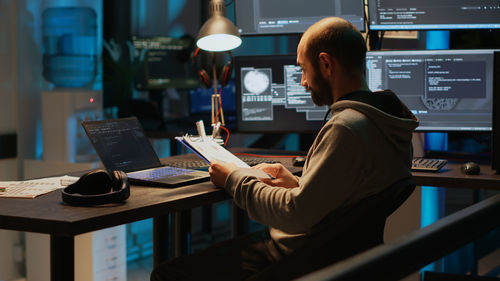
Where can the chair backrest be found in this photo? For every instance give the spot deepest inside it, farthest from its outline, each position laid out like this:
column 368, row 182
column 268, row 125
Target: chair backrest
column 356, row 229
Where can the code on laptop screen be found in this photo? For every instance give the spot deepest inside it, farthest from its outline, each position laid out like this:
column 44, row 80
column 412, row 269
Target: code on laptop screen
column 121, row 144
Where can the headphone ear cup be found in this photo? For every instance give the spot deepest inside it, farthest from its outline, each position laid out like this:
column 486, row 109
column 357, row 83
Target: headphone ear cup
column 97, row 187
column 225, row 75
column 227, row 69
column 205, row 78
column 120, row 180
column 94, row 182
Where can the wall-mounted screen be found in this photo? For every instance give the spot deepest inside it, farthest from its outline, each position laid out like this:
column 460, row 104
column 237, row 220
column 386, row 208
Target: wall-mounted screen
column 432, row 14
column 264, row 17
column 163, row 63
column 270, row 98
column 448, row 90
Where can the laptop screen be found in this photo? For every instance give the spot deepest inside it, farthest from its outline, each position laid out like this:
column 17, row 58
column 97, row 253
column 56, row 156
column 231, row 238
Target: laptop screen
column 121, row 144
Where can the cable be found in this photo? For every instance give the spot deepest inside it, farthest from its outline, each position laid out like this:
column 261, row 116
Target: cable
column 380, row 40
column 267, row 156
column 227, row 138
column 365, row 12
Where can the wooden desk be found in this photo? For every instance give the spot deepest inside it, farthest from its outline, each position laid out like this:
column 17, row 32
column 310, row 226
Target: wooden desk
column 48, row 214
column 451, row 176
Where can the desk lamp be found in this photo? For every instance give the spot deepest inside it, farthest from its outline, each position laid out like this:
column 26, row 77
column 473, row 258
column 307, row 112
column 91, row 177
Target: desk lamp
column 218, row 34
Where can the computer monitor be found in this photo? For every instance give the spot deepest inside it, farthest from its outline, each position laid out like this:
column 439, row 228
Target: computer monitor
column 432, row 14
column 448, row 90
column 164, row 63
column 495, row 136
column 270, row 98
column 265, row 17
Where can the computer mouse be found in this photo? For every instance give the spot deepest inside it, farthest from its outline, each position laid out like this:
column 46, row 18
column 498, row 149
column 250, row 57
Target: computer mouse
column 471, row 168
column 298, row 161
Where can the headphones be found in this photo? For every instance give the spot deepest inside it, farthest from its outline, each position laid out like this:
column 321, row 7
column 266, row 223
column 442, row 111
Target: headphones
column 202, row 60
column 97, row 187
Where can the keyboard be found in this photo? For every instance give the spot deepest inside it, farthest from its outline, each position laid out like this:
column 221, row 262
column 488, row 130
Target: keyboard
column 200, row 164
column 427, row 164
column 164, row 172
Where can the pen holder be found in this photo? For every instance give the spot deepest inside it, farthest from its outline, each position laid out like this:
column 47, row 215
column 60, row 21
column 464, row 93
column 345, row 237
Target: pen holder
column 219, row 140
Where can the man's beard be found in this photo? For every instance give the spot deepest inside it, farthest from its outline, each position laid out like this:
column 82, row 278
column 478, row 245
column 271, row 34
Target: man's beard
column 322, row 92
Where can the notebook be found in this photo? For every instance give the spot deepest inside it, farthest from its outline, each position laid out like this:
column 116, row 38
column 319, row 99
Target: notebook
column 122, row 145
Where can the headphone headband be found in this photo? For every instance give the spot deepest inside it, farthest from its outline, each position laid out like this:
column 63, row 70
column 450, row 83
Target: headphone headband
column 97, row 187
column 203, row 74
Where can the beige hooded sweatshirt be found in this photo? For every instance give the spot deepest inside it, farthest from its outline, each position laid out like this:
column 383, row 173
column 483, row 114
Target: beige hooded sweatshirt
column 360, row 151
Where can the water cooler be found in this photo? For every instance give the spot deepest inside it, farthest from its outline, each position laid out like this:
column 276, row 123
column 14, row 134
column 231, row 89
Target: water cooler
column 70, row 63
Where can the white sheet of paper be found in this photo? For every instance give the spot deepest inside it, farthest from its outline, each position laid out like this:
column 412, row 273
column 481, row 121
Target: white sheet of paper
column 257, row 173
column 34, row 188
column 211, row 150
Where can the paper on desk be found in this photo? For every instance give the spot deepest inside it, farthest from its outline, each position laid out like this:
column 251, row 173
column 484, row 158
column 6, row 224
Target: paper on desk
column 209, row 150
column 33, row 188
column 257, row 173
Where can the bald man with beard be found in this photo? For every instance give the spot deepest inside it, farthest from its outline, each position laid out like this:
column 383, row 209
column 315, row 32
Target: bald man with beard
column 364, row 148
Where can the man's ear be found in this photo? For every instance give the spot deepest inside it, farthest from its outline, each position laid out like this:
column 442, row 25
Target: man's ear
column 326, row 63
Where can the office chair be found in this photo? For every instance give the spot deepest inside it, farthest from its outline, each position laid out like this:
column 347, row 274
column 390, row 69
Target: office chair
column 361, row 227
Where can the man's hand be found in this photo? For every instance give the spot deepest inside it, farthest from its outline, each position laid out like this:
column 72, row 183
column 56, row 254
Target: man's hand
column 282, row 176
column 219, row 172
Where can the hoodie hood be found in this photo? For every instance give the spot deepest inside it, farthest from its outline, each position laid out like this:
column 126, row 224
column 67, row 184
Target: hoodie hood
column 398, row 130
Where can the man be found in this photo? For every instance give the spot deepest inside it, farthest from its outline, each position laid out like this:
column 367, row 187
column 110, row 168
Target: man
column 364, row 148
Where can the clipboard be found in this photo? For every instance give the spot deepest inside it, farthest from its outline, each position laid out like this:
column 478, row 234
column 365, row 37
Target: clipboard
column 208, row 150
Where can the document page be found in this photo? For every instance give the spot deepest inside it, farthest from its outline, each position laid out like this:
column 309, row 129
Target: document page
column 209, row 150
column 33, row 188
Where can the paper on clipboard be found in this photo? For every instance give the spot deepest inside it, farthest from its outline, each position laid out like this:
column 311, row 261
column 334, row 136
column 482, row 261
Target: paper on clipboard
column 207, row 149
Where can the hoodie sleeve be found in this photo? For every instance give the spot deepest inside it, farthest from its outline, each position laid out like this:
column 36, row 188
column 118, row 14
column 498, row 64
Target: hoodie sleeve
column 325, row 185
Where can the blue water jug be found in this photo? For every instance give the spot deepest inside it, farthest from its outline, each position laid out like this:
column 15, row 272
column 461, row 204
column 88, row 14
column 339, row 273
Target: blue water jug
column 69, row 46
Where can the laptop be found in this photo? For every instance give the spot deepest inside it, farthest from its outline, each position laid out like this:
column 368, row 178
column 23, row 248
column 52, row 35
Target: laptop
column 122, row 145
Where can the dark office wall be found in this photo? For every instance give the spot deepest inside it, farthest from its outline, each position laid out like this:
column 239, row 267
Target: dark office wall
column 116, row 20
column 116, row 28
column 475, row 39
column 173, row 18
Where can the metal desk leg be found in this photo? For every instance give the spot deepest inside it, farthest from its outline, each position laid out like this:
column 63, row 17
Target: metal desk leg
column 160, row 239
column 62, row 258
column 240, row 222
column 181, row 224
column 476, row 197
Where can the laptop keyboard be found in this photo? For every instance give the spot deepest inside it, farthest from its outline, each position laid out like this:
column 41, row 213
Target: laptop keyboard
column 200, row 164
column 161, row 173
column 188, row 164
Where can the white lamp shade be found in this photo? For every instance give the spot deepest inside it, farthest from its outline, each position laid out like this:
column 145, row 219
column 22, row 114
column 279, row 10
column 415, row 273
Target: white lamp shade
column 218, row 42
column 218, row 34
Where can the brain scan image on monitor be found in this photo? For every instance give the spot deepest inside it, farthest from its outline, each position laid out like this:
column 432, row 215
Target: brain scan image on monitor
column 256, row 81
column 439, row 103
column 270, row 97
